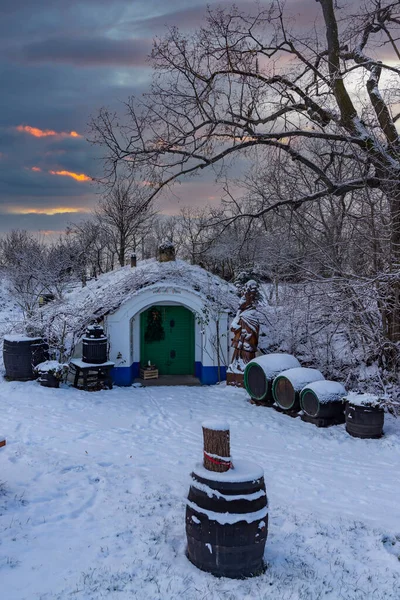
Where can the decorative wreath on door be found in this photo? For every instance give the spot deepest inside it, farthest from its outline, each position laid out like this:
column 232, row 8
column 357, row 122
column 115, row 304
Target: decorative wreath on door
column 154, row 330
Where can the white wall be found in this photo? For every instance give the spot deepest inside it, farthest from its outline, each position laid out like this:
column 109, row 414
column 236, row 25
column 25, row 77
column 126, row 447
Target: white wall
column 123, row 326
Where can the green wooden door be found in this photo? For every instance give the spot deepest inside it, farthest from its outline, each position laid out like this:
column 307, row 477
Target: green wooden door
column 174, row 355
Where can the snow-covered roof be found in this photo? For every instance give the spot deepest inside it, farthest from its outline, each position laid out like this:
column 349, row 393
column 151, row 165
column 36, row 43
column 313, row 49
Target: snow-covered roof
column 104, row 295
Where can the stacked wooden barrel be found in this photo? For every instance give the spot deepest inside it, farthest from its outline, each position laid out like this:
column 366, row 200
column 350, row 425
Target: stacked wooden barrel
column 288, row 385
column 278, row 379
column 322, row 403
column 260, row 373
column 227, row 511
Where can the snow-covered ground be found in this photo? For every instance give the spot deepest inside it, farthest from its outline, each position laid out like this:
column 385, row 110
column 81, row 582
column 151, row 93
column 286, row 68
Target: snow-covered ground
column 93, row 490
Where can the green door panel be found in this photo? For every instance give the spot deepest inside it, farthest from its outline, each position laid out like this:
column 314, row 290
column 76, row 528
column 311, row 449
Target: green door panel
column 174, row 355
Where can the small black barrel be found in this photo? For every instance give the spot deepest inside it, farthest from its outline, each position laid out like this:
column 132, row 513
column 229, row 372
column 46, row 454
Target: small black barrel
column 364, row 422
column 260, row 372
column 21, row 354
column 227, row 521
column 288, row 385
column 94, row 346
column 322, row 403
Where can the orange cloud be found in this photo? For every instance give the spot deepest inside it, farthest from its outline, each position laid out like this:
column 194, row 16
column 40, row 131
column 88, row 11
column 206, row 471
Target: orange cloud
column 46, row 211
column 39, row 133
column 36, row 169
column 76, row 176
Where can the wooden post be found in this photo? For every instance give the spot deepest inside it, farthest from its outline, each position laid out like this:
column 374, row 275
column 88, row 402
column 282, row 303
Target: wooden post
column 133, row 260
column 216, row 446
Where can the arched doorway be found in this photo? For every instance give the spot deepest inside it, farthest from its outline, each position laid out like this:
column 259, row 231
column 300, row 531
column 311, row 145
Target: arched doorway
column 174, row 354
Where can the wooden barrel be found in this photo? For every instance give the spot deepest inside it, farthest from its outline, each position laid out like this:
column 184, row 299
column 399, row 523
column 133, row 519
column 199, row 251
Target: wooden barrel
column 227, row 520
column 364, row 422
column 260, row 372
column 95, row 346
column 287, row 386
column 322, row 403
column 21, row 354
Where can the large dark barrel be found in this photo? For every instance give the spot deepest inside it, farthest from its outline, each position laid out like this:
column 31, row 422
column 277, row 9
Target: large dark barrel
column 94, row 346
column 287, row 386
column 260, row 372
column 364, row 422
column 21, row 354
column 322, row 403
column 227, row 521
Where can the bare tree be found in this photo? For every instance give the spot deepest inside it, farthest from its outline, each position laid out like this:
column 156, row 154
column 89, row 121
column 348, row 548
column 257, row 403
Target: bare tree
column 125, row 213
column 250, row 85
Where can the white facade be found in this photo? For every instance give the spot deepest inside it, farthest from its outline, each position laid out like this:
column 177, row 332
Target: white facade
column 123, row 331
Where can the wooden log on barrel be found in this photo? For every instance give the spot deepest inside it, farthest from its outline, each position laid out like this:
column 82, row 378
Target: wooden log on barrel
column 260, row 373
column 216, row 446
column 322, row 403
column 364, row 416
column 227, row 511
column 287, row 386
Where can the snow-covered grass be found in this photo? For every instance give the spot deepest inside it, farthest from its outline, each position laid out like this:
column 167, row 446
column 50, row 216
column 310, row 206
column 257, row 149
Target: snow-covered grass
column 92, row 498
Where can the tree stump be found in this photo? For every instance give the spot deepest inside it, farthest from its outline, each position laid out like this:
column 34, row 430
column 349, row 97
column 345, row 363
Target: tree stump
column 216, row 446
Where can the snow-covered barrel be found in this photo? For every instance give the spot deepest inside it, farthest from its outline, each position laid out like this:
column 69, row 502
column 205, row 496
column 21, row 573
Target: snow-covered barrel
column 260, row 373
column 227, row 520
column 364, row 416
column 287, row 386
column 322, row 403
column 21, row 353
column 94, row 346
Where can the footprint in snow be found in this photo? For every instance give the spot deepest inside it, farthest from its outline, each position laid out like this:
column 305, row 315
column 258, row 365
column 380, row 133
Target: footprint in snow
column 391, row 543
column 75, row 468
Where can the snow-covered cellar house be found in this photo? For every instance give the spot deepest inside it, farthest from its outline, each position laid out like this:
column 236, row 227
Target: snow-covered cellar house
column 163, row 312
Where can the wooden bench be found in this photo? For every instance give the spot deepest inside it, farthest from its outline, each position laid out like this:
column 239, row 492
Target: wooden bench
column 92, row 376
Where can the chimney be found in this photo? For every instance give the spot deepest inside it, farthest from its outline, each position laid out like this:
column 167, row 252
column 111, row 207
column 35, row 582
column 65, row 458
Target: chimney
column 166, row 252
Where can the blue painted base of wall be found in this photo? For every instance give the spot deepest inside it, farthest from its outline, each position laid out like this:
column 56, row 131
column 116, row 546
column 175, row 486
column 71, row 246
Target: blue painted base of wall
column 125, row 376
column 209, row 375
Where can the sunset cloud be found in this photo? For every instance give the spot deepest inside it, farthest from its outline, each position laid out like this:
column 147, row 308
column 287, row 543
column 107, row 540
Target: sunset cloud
column 76, row 176
column 58, row 210
column 41, row 133
column 36, row 169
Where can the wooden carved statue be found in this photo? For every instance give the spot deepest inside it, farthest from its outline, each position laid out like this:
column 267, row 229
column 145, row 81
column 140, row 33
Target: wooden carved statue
column 245, row 327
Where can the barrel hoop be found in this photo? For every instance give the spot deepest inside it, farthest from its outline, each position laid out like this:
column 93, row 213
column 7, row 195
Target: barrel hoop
column 236, row 563
column 229, row 519
column 246, row 382
column 276, row 380
column 210, row 493
column 315, row 396
column 231, row 487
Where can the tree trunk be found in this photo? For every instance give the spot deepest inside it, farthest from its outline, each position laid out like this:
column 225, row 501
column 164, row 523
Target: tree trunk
column 216, row 447
column 393, row 296
column 121, row 253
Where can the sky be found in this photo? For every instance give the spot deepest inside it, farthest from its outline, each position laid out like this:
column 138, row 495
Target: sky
column 60, row 62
